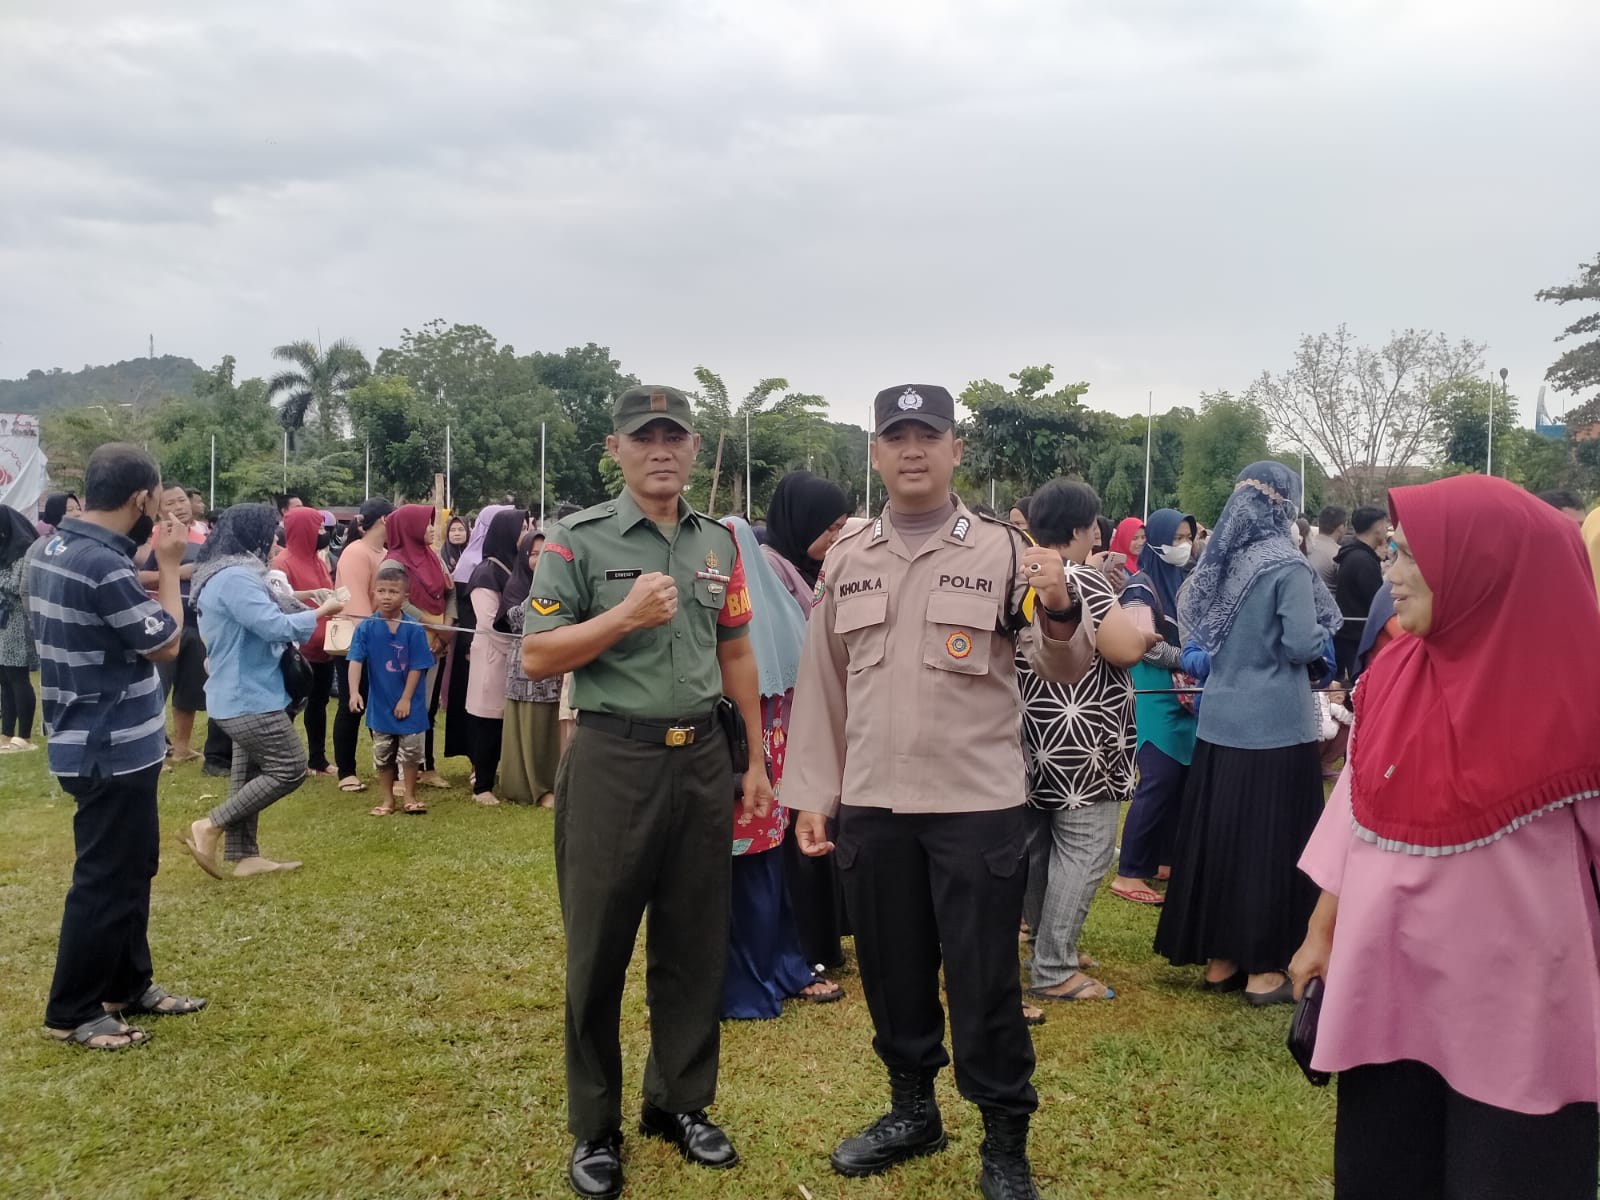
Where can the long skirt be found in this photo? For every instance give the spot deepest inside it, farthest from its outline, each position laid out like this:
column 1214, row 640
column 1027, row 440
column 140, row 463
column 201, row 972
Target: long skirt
column 458, row 734
column 1236, row 891
column 765, row 965
column 530, row 751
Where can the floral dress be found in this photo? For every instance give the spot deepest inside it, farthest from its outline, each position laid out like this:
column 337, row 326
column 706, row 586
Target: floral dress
column 16, row 639
column 752, row 835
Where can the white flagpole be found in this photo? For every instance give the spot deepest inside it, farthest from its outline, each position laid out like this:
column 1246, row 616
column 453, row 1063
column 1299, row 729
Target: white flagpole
column 367, row 487
column 1488, row 468
column 541, row 476
column 747, row 464
column 213, row 472
column 286, row 460
column 1149, row 436
column 991, row 491
column 447, row 503
column 869, row 461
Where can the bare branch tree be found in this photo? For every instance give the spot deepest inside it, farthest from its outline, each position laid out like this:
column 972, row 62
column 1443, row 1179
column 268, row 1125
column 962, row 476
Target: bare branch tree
column 1370, row 414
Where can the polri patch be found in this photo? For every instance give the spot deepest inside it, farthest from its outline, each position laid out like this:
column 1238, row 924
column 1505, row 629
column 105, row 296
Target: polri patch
column 544, row 606
column 629, row 573
column 958, row 644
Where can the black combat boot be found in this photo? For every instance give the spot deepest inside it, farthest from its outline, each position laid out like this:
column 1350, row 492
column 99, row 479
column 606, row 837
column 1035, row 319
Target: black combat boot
column 909, row 1129
column 1004, row 1154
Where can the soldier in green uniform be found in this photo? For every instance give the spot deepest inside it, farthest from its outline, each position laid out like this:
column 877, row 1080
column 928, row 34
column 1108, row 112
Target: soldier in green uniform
column 644, row 601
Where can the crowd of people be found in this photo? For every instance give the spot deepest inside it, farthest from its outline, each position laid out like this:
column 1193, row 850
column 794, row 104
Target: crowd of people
column 917, row 729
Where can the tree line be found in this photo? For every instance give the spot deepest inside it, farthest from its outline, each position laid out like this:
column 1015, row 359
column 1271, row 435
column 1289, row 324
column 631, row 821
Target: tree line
column 1361, row 418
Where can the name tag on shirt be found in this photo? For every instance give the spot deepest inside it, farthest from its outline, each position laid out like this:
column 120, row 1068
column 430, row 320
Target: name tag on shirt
column 630, row 573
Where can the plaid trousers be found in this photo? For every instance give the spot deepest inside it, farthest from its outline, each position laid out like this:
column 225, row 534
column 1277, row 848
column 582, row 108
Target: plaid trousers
column 269, row 762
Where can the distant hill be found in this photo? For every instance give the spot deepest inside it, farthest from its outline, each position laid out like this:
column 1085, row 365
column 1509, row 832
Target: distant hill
column 141, row 380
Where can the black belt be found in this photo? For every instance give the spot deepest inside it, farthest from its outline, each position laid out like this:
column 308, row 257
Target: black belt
column 657, row 732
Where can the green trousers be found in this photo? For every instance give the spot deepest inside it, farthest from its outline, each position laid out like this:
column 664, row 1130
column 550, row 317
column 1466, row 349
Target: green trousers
column 643, row 828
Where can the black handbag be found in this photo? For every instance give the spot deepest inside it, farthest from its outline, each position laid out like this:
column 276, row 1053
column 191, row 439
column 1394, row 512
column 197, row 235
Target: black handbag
column 1303, row 1032
column 296, row 673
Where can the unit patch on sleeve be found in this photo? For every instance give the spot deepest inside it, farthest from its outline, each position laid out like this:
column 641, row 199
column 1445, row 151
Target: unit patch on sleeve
column 544, row 606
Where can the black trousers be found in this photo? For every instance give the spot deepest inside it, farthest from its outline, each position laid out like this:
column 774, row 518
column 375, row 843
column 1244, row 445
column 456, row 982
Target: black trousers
column 641, row 827
column 104, row 951
column 16, row 702
column 219, row 749
column 486, row 734
column 922, row 889
column 1402, row 1131
column 316, row 715
column 346, row 724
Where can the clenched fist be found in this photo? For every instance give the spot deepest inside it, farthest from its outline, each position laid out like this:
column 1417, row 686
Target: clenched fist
column 1044, row 571
column 652, row 601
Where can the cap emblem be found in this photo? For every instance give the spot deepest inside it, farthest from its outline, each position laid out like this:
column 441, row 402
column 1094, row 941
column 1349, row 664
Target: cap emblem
column 658, row 402
column 910, row 400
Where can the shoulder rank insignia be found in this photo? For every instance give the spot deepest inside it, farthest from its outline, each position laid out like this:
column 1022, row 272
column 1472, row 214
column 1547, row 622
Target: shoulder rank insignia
column 959, row 532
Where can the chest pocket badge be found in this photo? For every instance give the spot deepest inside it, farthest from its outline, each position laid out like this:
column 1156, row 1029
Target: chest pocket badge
column 960, row 632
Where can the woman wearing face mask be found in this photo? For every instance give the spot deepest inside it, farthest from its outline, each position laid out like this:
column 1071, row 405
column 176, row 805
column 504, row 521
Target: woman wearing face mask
column 1457, row 923
column 1164, row 719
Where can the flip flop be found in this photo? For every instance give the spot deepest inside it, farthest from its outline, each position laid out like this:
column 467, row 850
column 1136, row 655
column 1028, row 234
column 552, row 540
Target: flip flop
column 1033, row 1020
column 821, row 997
column 1074, row 996
column 208, row 865
column 384, row 810
column 108, row 1025
column 416, row 808
column 1139, row 896
column 150, row 1004
column 351, row 784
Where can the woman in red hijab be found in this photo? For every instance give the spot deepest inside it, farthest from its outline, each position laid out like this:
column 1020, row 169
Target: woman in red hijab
column 409, row 530
column 308, row 574
column 1127, row 541
column 1458, row 934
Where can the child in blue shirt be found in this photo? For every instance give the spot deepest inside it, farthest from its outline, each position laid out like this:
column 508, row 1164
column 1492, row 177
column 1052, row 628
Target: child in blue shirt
column 397, row 647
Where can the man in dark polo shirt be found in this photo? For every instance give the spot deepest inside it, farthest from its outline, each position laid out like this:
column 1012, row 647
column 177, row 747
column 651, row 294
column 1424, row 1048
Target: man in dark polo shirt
column 100, row 636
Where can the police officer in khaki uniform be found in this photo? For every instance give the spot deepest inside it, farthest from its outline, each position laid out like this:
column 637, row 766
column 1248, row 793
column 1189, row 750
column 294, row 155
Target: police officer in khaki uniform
column 907, row 726
column 644, row 601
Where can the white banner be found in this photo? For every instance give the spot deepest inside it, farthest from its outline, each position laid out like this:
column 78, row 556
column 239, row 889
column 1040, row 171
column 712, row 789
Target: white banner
column 22, row 464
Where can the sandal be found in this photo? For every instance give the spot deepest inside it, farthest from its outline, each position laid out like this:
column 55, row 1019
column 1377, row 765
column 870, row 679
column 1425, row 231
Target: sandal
column 158, row 1002
column 351, row 784
column 833, row 994
column 384, row 810
column 1139, row 895
column 415, row 808
column 107, row 1026
column 1035, row 1017
column 1073, row 995
column 433, row 779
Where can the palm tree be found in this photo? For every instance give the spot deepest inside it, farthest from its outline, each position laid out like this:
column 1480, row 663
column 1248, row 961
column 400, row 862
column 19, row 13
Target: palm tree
column 316, row 380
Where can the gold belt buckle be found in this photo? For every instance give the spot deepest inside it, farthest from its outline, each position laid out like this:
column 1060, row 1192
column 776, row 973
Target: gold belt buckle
column 680, row 735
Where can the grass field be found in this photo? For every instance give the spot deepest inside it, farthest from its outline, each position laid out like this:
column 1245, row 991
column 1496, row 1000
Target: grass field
column 387, row 1022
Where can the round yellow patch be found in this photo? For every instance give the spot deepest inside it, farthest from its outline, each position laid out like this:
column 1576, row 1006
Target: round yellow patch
column 959, row 645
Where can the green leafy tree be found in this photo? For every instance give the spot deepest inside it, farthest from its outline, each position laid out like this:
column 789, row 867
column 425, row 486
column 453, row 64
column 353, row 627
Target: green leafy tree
column 1539, row 463
column 315, row 382
column 68, row 436
column 1463, row 425
column 493, row 402
column 787, row 430
column 1118, row 468
column 237, row 416
column 403, row 433
column 1228, row 435
column 586, row 381
column 1579, row 367
column 1024, row 436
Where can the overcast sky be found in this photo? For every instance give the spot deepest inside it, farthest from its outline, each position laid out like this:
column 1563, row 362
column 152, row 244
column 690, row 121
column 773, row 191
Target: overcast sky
column 1150, row 194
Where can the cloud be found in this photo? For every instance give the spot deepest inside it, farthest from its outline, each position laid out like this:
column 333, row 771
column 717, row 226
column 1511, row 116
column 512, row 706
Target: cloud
column 1157, row 194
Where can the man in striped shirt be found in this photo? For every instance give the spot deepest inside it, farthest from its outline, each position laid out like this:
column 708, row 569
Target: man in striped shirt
column 100, row 636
